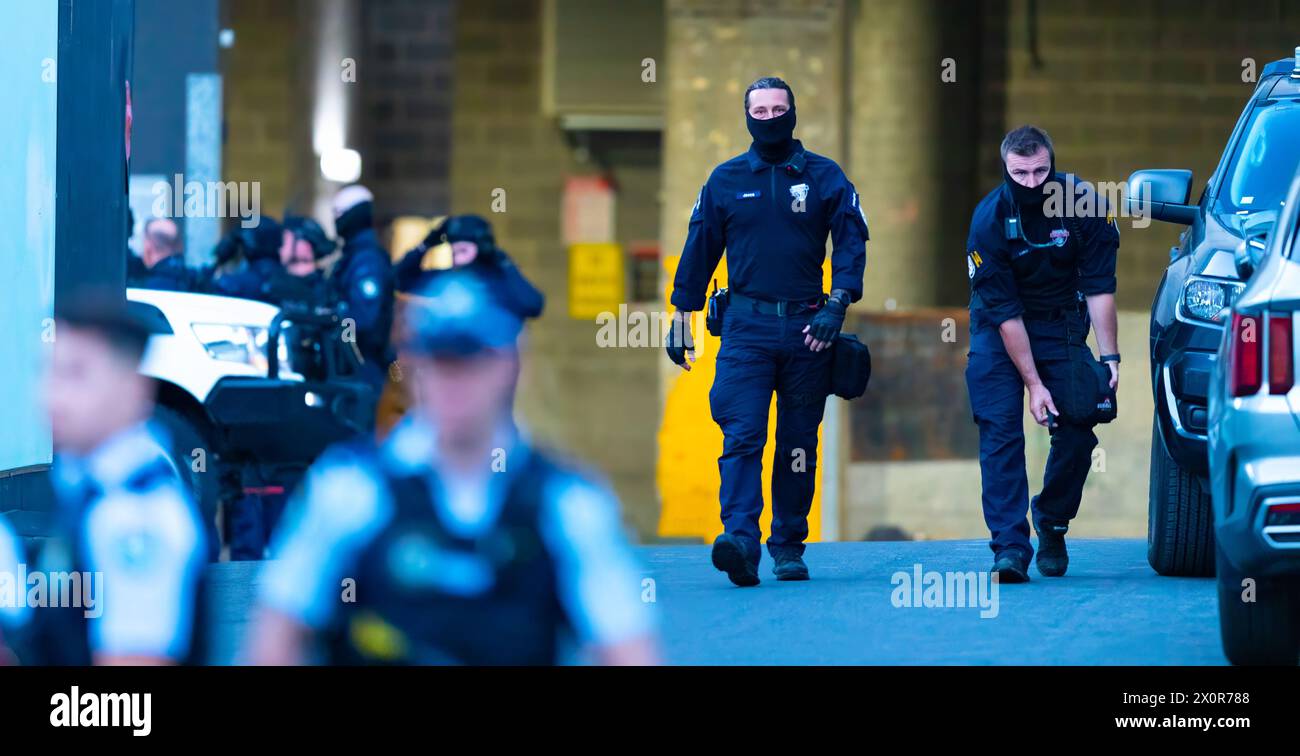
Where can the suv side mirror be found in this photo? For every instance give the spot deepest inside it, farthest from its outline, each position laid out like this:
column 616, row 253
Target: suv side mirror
column 1247, row 256
column 1163, row 194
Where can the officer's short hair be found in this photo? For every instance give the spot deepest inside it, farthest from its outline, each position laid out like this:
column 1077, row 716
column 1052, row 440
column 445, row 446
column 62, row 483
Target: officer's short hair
column 768, row 82
column 160, row 237
column 105, row 314
column 1025, row 141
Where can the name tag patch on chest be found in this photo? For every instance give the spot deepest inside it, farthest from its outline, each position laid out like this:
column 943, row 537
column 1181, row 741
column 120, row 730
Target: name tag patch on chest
column 416, row 562
column 753, row 194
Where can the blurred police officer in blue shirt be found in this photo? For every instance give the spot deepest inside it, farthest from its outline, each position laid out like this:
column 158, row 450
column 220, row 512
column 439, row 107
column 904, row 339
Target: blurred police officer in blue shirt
column 363, row 281
column 772, row 210
column 1039, row 277
column 13, row 611
column 456, row 541
column 123, row 516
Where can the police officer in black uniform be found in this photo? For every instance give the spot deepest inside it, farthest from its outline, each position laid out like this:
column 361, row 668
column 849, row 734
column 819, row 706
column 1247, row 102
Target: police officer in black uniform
column 363, row 281
column 245, row 259
column 473, row 246
column 1040, row 276
column 162, row 259
column 293, row 279
column 771, row 209
column 299, row 278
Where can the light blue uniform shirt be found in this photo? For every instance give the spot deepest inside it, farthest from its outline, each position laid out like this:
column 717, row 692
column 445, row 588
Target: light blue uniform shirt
column 343, row 504
column 142, row 540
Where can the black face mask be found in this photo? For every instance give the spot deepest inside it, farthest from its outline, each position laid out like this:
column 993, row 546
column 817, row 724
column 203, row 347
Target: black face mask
column 773, row 138
column 1030, row 196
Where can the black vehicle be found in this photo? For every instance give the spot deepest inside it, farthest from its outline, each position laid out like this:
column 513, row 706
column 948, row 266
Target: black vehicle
column 249, row 393
column 1239, row 203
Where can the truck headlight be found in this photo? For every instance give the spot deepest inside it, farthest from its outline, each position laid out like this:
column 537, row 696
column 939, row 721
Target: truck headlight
column 1205, row 299
column 238, row 343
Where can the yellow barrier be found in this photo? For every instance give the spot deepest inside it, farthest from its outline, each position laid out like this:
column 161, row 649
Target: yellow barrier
column 686, row 473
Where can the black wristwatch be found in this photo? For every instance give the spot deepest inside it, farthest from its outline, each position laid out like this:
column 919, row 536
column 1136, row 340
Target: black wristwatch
column 1110, row 358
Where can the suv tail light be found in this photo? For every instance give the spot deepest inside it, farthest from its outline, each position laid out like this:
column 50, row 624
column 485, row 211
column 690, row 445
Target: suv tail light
column 1245, row 355
column 1281, row 367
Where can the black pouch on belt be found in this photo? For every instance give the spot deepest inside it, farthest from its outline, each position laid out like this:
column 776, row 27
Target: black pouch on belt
column 1091, row 400
column 850, row 367
column 716, row 309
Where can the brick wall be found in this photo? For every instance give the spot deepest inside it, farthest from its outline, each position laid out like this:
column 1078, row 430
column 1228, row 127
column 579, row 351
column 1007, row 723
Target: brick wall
column 268, row 124
column 406, row 83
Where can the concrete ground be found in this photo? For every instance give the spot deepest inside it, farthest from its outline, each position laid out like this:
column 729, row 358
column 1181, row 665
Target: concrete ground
column 1110, row 609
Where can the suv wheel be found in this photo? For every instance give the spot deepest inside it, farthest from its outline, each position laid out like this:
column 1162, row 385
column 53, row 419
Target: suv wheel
column 1265, row 630
column 1180, row 523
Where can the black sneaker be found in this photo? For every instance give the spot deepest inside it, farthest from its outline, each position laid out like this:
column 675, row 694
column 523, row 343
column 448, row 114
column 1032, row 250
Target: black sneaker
column 788, row 566
column 1052, row 557
column 731, row 555
column 1011, row 566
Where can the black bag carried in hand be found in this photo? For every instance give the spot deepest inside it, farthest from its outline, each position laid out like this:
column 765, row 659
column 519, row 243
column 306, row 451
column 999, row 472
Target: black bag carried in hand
column 850, row 367
column 1090, row 399
column 717, row 308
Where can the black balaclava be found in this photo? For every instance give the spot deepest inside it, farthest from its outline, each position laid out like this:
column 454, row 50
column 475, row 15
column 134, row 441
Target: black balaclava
column 774, row 137
column 1030, row 197
column 354, row 220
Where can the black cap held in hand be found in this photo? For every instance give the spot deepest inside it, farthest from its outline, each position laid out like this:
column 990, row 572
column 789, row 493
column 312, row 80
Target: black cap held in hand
column 469, row 228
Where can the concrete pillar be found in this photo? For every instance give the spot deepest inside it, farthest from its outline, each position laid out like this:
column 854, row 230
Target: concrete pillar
column 911, row 138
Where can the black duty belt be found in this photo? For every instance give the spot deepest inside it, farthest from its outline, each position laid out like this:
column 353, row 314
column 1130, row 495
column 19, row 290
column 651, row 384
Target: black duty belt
column 1055, row 313
column 781, row 309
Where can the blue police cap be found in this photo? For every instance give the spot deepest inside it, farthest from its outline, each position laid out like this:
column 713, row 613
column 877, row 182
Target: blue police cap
column 456, row 314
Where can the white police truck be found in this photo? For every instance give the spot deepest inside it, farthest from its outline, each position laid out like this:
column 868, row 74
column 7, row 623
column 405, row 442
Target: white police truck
column 249, row 392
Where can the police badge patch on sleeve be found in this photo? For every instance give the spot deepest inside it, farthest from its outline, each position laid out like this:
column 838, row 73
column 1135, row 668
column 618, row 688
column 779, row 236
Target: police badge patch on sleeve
column 973, row 261
column 859, row 207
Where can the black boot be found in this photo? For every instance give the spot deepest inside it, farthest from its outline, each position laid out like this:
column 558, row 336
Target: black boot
column 738, row 558
column 789, row 565
column 1052, row 558
column 1011, row 566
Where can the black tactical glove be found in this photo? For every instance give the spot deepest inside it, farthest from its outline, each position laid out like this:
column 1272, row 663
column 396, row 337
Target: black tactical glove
column 828, row 321
column 435, row 236
column 679, row 343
